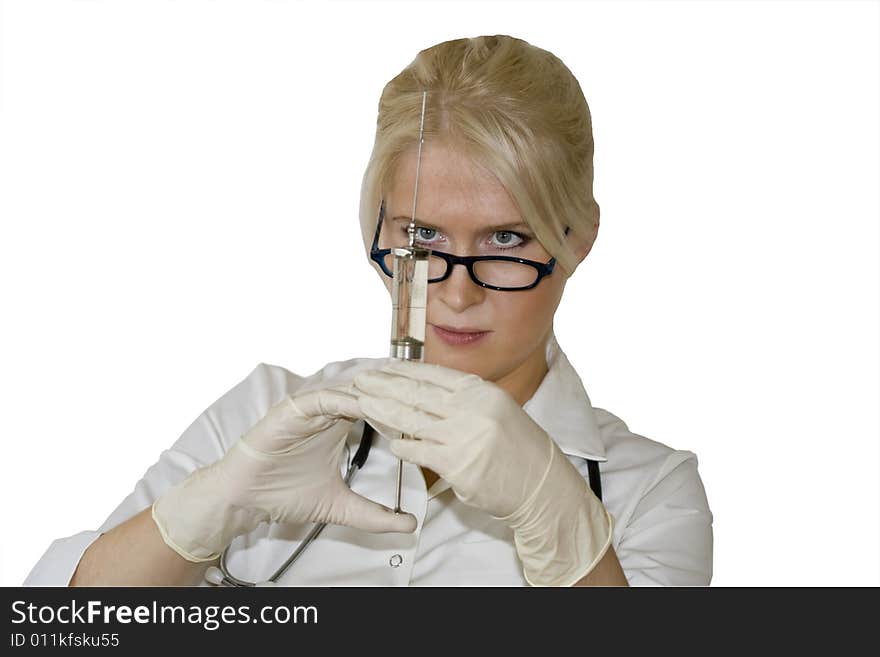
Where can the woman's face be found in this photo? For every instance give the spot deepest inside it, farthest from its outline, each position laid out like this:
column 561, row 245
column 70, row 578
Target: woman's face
column 462, row 209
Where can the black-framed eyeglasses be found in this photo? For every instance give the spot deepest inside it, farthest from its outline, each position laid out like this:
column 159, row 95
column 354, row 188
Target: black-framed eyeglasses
column 502, row 273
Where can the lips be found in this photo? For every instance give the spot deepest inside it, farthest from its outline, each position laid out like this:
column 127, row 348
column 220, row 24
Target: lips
column 459, row 335
column 453, row 329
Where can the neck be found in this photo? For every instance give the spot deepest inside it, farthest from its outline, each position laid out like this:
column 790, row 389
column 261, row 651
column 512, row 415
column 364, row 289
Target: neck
column 522, row 382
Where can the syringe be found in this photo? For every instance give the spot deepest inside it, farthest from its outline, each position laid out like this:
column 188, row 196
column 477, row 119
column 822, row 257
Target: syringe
column 409, row 296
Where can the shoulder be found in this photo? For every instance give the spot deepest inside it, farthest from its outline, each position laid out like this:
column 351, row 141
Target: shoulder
column 643, row 473
column 275, row 381
column 250, row 399
column 267, row 383
column 628, row 450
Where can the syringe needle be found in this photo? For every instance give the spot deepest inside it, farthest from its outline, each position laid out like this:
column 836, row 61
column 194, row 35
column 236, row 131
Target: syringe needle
column 415, row 294
column 397, row 508
column 412, row 218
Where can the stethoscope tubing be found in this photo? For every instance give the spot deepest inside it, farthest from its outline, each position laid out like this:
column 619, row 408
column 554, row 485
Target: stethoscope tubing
column 224, row 578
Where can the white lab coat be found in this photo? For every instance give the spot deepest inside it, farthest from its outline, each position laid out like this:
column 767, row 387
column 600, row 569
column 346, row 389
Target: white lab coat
column 663, row 525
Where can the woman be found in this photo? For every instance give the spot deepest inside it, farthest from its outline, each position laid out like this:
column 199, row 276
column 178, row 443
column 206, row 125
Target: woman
column 497, row 484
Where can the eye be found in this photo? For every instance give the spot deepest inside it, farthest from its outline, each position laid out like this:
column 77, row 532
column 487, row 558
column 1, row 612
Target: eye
column 425, row 234
column 507, row 239
column 422, row 234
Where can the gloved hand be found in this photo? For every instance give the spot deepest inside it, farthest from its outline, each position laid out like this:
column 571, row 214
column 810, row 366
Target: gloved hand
column 496, row 458
column 285, row 469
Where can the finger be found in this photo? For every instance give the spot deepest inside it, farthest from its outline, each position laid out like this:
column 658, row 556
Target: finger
column 326, row 402
column 392, row 413
column 421, row 452
column 359, row 512
column 281, row 431
column 444, row 377
column 418, row 394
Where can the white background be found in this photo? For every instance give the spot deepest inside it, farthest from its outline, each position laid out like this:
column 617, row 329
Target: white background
column 173, row 173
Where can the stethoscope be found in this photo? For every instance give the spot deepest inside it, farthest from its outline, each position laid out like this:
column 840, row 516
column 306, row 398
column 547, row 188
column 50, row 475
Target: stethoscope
column 222, row 577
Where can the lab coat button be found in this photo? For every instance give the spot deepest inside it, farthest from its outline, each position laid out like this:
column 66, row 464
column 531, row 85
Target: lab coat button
column 395, row 560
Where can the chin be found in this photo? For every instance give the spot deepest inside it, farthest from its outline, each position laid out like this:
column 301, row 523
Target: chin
column 470, row 361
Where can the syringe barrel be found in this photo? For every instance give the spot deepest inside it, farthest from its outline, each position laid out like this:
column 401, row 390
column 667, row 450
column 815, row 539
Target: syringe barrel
column 409, row 300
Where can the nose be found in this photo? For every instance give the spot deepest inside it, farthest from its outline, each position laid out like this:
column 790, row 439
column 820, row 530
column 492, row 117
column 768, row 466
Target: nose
column 458, row 291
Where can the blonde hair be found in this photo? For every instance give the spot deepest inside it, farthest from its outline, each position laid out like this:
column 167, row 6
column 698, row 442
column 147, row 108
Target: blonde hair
column 517, row 110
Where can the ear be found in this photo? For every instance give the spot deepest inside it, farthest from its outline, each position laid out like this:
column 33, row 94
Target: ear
column 583, row 245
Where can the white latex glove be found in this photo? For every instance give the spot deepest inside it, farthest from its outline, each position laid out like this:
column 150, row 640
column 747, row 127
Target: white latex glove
column 496, row 458
column 285, row 469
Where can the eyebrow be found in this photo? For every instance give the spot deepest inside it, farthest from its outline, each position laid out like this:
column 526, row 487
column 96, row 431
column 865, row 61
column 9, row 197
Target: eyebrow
column 518, row 226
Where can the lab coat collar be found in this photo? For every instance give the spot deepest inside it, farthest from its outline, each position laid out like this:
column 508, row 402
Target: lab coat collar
column 563, row 409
